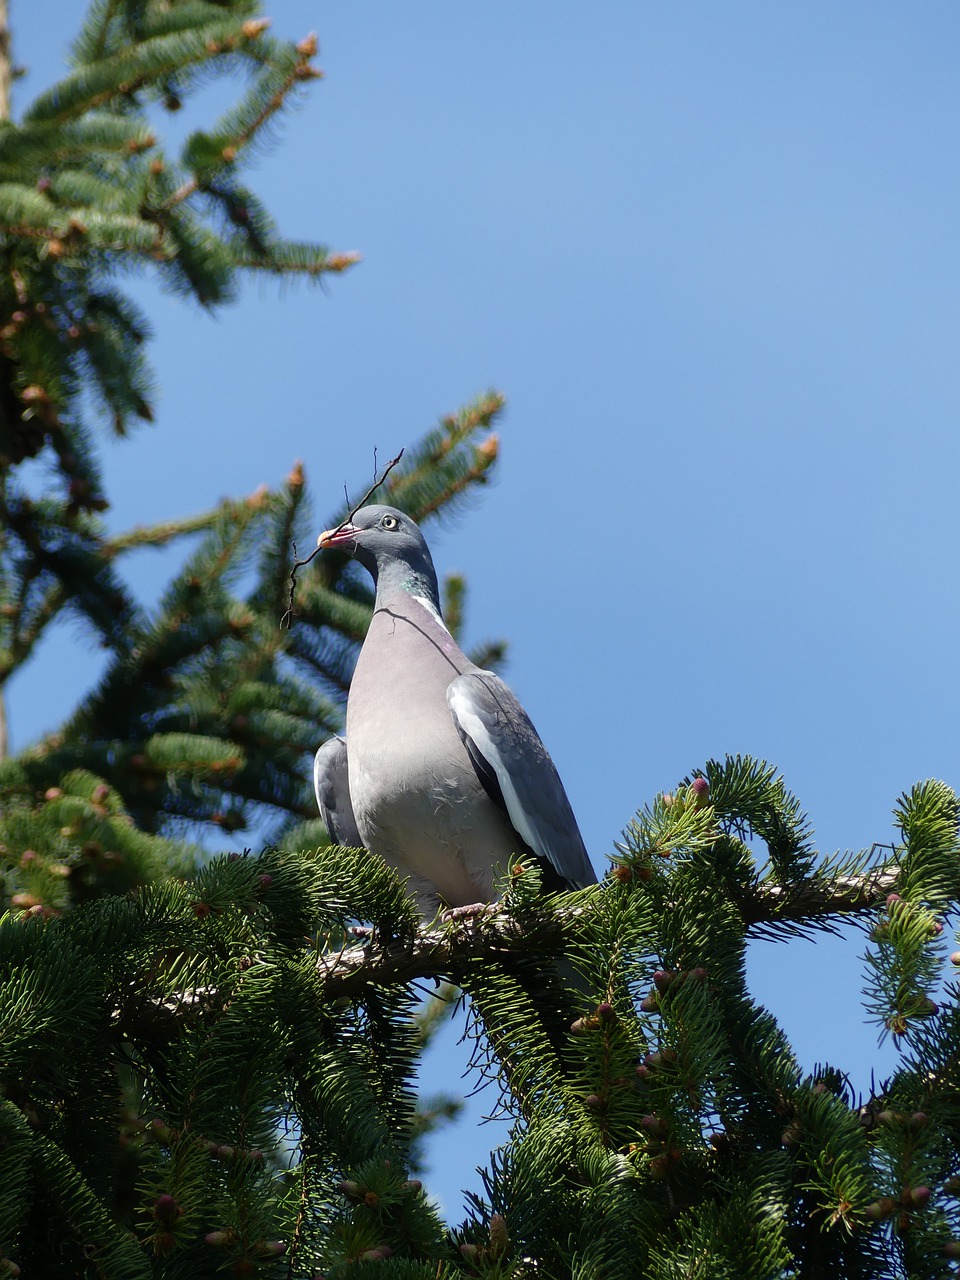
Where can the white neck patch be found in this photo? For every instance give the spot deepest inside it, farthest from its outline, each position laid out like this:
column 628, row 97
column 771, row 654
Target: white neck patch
column 433, row 611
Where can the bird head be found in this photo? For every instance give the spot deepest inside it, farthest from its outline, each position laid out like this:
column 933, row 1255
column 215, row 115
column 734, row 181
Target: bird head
column 389, row 545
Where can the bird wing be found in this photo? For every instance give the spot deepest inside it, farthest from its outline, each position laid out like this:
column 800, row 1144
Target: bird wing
column 517, row 773
column 332, row 787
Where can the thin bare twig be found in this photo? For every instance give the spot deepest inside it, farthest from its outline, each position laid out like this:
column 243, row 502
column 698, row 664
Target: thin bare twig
column 299, row 564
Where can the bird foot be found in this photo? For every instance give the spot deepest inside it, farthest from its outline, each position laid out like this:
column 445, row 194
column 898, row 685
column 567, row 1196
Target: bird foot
column 473, row 911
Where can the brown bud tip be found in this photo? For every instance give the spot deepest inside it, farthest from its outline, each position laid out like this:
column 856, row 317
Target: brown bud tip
column 219, row 1239
column 606, row 1011
column 54, row 248
column 307, row 47
column 470, row 1251
column 271, row 1248
column 662, row 979
column 623, row 874
column 893, row 900
column 376, row 1255
column 792, row 1135
column 255, row 27
column 229, row 154
column 593, row 1102
column 918, row 1120
column 201, row 910
column 875, row 1211
column 952, row 1249
column 341, row 262
column 28, row 856
column 295, row 478
column 650, row 1003
column 643, row 1071
column 371, row 1199
column 34, row 394
column 955, row 958
column 43, row 184
column 350, row 1189
column 490, row 447
column 266, row 881
column 157, row 167
column 100, row 793
column 920, row 1197
column 24, row 901
column 583, row 1026
column 53, row 793
column 700, row 792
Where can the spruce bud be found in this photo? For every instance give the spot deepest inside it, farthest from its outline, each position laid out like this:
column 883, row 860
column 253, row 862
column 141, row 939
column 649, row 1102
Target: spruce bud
column 166, row 1209
column 655, row 1126
column 700, row 788
column 499, row 1236
column 219, row 1239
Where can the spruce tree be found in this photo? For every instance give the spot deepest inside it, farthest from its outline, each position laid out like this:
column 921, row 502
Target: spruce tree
column 207, row 1061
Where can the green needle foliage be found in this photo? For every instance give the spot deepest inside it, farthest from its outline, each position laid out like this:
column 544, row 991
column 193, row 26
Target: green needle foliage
column 207, row 1067
column 209, row 1074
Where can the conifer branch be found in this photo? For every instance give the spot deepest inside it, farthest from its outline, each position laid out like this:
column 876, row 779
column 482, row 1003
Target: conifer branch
column 300, row 71
column 6, row 70
column 444, row 951
column 816, row 898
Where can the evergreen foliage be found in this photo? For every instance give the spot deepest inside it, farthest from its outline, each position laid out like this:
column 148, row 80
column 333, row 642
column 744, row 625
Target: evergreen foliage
column 207, row 1066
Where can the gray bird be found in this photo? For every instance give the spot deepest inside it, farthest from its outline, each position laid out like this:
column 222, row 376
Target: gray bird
column 442, row 772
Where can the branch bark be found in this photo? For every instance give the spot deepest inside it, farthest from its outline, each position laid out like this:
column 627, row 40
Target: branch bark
column 450, row 951
column 6, row 67
column 844, row 895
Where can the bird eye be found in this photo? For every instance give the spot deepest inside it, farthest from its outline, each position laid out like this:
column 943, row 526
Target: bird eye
column 389, row 522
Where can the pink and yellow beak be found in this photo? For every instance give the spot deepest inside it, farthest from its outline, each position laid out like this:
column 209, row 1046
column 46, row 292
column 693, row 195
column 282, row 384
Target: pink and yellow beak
column 341, row 536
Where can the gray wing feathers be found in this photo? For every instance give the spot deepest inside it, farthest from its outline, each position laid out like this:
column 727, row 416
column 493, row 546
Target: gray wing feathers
column 332, row 787
column 510, row 758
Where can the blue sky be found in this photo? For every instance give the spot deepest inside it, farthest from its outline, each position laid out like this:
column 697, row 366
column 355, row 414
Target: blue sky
column 710, row 254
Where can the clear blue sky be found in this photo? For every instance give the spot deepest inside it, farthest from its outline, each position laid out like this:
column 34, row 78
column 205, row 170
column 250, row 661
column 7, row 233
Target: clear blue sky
column 710, row 254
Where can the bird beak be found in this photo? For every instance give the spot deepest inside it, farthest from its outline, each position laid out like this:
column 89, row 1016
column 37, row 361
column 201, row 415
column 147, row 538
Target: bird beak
column 341, row 536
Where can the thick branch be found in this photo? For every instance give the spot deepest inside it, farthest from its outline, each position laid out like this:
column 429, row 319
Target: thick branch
column 6, row 68
column 452, row 950
column 845, row 895
column 445, row 952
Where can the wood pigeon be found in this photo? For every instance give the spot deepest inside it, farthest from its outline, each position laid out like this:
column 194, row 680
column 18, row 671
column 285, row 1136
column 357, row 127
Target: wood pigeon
column 441, row 772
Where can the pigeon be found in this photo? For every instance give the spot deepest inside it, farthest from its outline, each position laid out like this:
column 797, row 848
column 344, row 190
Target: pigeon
column 441, row 772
